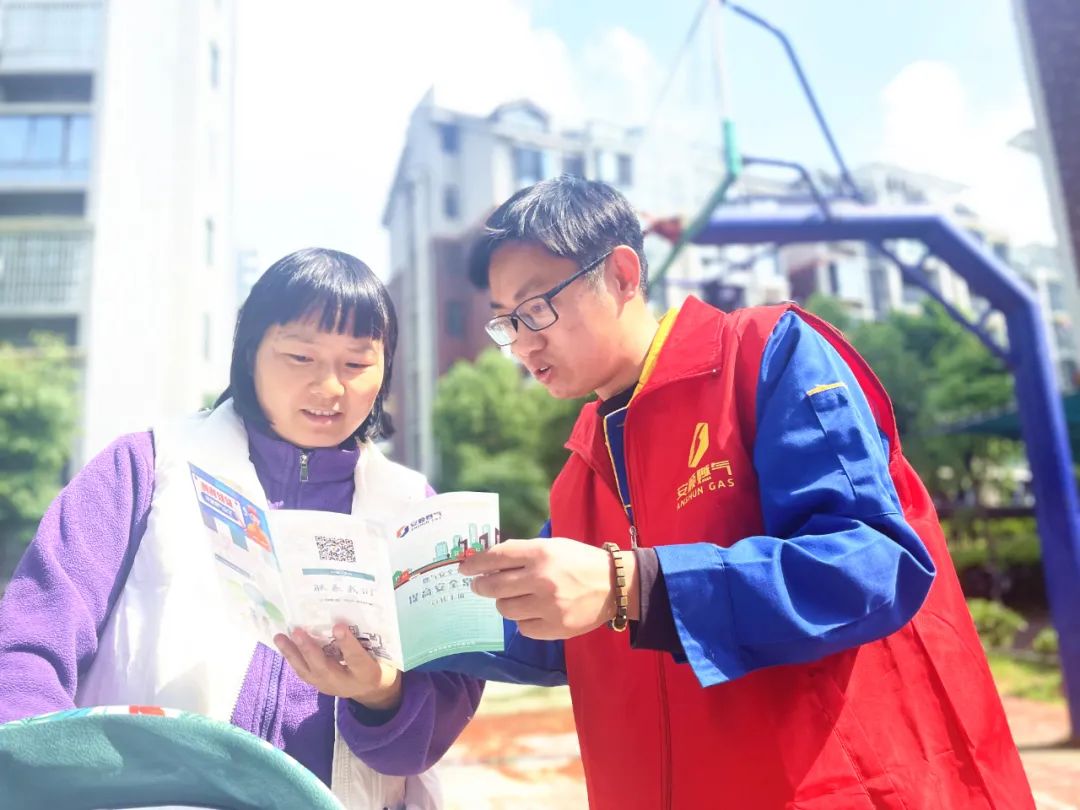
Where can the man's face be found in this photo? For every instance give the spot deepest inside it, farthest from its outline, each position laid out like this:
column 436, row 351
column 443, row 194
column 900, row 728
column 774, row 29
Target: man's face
column 577, row 354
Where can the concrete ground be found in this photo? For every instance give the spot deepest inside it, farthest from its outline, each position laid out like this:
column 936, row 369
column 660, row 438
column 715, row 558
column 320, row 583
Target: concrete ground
column 521, row 752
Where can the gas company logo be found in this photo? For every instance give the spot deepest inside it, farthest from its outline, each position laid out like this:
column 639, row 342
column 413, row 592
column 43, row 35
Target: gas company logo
column 710, row 476
column 416, row 524
column 700, row 444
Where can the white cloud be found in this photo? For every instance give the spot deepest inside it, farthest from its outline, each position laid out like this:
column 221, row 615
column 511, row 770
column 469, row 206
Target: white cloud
column 325, row 88
column 622, row 77
column 929, row 126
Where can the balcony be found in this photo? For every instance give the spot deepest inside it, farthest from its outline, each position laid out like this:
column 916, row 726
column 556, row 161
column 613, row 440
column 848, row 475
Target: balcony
column 44, row 272
column 50, row 35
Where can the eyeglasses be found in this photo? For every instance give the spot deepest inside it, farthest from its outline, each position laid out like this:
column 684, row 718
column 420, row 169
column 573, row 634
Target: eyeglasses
column 534, row 313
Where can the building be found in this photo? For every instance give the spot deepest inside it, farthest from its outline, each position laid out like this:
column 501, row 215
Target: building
column 115, row 225
column 871, row 286
column 1048, row 32
column 453, row 170
column 1040, row 267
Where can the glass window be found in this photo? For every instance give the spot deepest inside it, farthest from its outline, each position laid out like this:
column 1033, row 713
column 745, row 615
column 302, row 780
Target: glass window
column 14, row 132
column 209, row 241
column 46, row 144
column 1056, row 293
column 451, row 202
column 574, row 163
column 215, row 65
column 78, row 153
column 528, row 165
column 455, row 319
column 449, row 138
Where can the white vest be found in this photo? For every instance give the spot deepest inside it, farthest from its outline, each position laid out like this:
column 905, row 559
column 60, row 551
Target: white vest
column 170, row 640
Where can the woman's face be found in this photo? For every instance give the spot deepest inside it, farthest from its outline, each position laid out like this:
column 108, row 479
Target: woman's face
column 316, row 388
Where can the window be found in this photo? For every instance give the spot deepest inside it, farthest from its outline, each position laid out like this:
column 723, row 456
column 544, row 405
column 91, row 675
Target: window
column 215, row 65
column 451, row 202
column 1062, row 336
column 449, row 138
column 78, row 141
column 574, row 163
column 45, row 143
column 44, row 140
column 834, row 279
column 879, row 290
column 528, row 165
column 206, row 336
column 625, row 176
column 209, row 241
column 1056, row 293
column 455, row 319
column 44, row 147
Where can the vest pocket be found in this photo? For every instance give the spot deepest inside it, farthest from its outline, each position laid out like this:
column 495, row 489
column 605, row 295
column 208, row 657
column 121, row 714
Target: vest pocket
column 865, row 462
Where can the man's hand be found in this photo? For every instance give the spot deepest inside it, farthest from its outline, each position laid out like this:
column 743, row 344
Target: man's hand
column 554, row 588
column 358, row 675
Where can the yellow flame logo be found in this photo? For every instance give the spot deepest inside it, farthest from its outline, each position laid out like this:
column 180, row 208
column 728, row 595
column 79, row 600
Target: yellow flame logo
column 700, row 443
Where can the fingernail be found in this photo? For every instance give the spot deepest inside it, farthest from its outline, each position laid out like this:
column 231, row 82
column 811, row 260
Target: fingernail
column 339, row 633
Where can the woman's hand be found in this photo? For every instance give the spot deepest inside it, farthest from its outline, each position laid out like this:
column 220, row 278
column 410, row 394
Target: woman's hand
column 357, row 676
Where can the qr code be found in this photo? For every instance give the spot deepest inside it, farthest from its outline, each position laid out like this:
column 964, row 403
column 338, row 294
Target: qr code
column 335, row 549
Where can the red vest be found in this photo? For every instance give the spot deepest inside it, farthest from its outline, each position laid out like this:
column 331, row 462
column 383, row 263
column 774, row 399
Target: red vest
column 912, row 721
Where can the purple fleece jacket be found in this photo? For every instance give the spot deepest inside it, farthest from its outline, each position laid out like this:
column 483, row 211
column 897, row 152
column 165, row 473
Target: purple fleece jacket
column 73, row 572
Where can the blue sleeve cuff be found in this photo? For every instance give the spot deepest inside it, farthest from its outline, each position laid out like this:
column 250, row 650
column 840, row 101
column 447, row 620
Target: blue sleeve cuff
column 701, row 607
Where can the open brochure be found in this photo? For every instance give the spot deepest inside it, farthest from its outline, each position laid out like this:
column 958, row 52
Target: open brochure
column 394, row 581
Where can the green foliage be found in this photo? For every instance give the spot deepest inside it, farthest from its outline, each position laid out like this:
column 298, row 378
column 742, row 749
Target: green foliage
column 499, row 431
column 37, row 423
column 830, row 309
column 1046, row 642
column 1009, row 552
column 997, row 624
column 1034, row 680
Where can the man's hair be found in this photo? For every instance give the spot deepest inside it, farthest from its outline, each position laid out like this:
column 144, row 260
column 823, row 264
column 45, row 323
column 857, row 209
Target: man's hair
column 567, row 216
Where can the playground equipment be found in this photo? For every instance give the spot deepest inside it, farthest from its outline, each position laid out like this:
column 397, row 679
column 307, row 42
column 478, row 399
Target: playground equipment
column 844, row 215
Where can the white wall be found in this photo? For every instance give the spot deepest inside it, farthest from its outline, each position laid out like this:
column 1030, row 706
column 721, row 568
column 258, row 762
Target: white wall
column 155, row 185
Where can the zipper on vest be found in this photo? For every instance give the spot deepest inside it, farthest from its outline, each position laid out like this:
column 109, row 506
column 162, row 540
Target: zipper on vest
column 303, row 466
column 665, row 737
column 633, row 536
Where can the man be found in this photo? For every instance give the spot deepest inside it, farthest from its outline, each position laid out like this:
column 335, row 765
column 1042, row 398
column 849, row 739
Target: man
column 738, row 497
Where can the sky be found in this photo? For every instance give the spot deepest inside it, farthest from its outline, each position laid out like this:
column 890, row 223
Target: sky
column 324, row 91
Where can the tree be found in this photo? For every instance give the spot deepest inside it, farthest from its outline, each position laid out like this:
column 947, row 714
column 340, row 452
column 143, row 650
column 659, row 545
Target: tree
column 830, row 309
column 37, row 423
column 965, row 381
column 499, row 431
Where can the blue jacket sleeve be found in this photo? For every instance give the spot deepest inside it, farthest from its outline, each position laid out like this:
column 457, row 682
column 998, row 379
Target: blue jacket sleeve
column 839, row 566
column 523, row 660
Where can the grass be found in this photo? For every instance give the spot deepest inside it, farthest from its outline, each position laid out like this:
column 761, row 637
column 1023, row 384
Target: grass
column 1027, row 679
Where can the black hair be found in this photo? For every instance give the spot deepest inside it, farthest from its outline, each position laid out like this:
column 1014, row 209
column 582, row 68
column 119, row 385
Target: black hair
column 337, row 289
column 569, row 217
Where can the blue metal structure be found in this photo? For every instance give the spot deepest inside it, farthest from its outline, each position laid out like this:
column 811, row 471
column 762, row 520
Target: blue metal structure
column 844, row 216
column 1042, row 417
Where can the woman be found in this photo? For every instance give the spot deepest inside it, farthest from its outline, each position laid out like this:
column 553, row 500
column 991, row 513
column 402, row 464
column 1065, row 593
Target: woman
column 114, row 600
